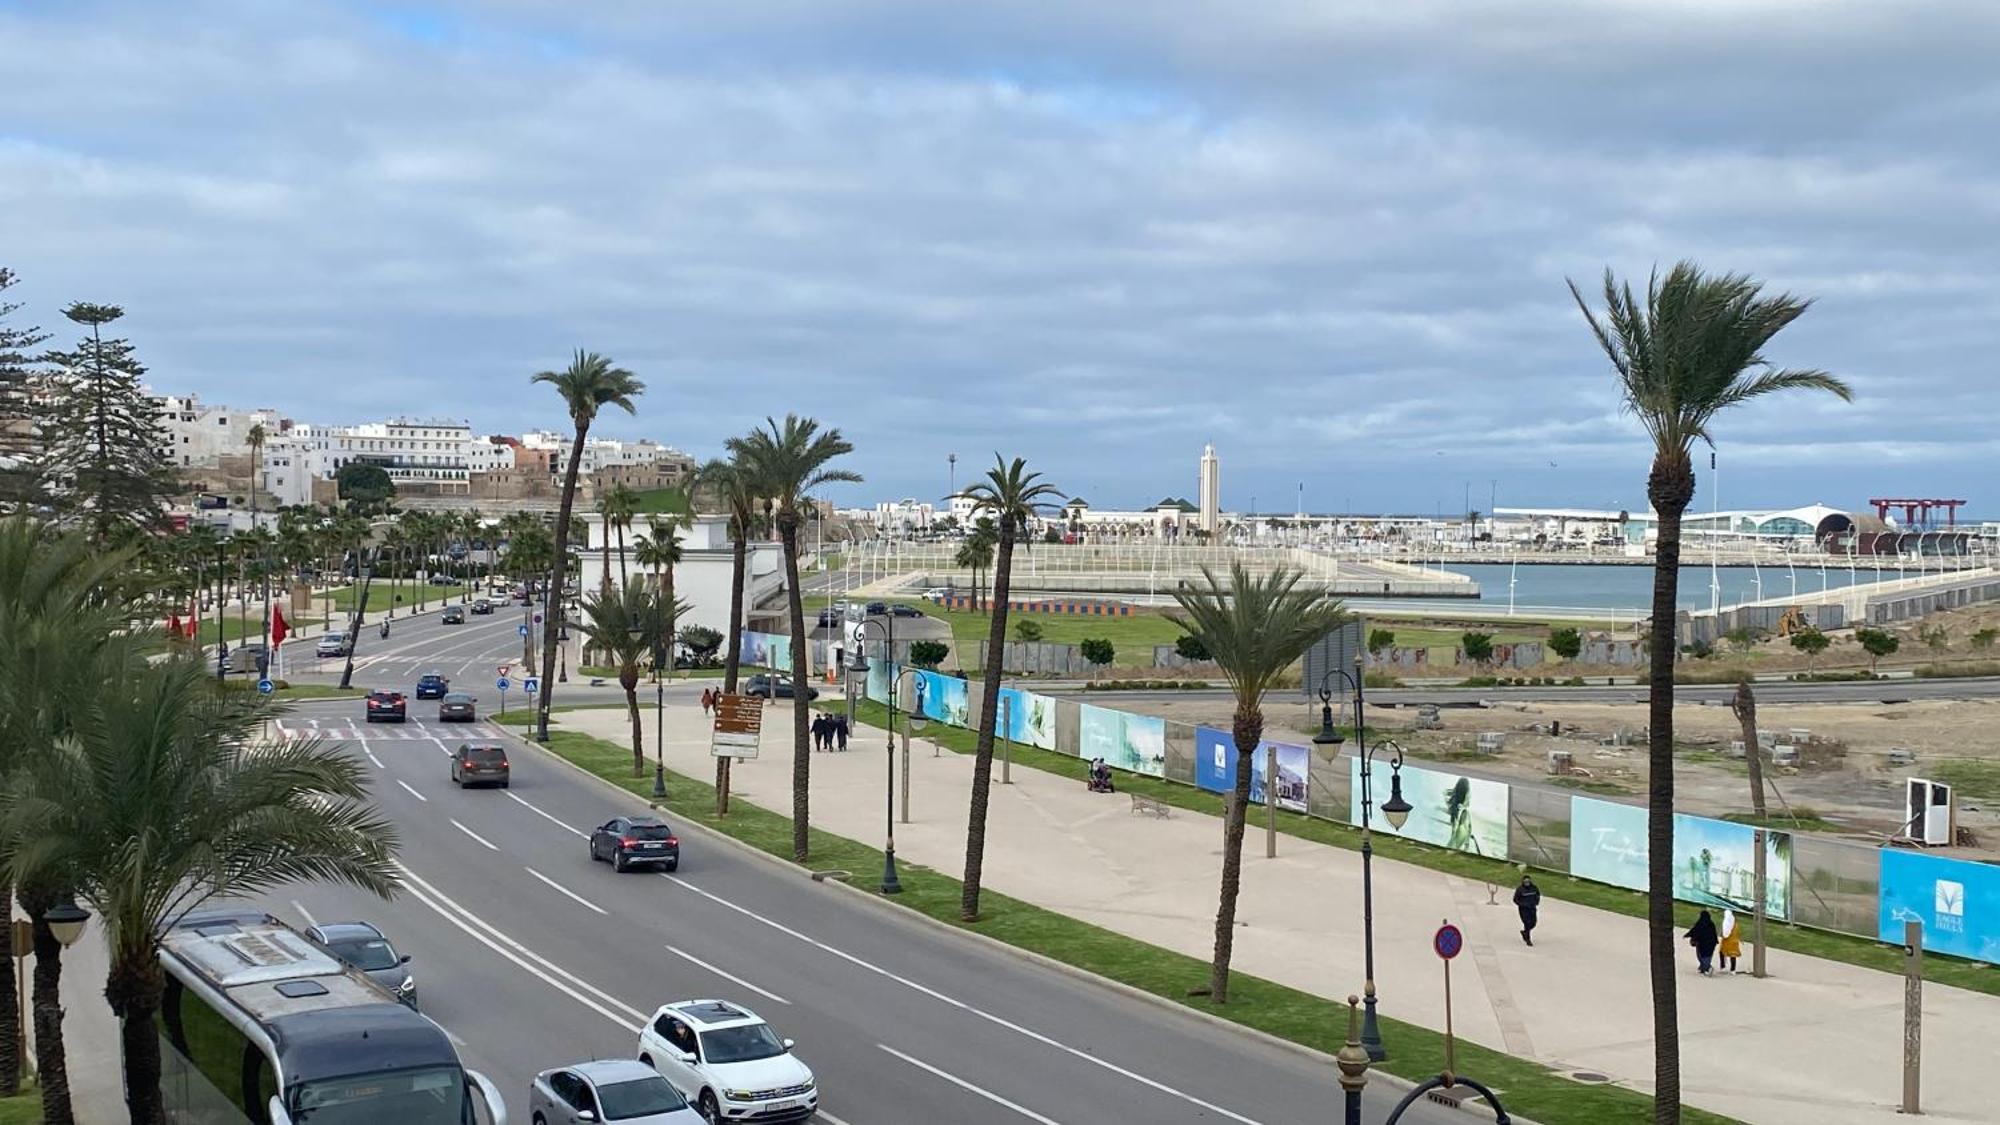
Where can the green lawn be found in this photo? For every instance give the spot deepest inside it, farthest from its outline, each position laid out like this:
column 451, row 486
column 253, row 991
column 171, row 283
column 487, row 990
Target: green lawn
column 382, row 595
column 24, row 1108
column 1416, row 1053
column 1972, row 778
column 1434, row 637
column 1132, row 636
column 663, row 501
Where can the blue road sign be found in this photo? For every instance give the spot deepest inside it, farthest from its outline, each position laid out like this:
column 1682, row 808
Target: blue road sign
column 523, row 629
column 503, row 684
column 1448, row 941
column 531, row 685
column 266, row 686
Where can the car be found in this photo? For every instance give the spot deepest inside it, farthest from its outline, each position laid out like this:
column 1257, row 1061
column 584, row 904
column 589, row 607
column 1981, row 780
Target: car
column 480, row 763
column 830, row 617
column 458, row 707
column 481, row 607
column 728, row 1062
column 877, row 609
column 607, row 1090
column 386, row 706
column 901, row 610
column 432, row 685
column 630, row 840
column 361, row 946
column 937, row 593
column 452, row 615
column 444, row 580
column 779, row 687
column 333, row 644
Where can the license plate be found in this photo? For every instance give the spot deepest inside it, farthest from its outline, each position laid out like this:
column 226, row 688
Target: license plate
column 652, row 847
column 782, row 1103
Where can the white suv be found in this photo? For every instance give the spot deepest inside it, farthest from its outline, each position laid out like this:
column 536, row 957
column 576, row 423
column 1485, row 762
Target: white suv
column 728, row 1062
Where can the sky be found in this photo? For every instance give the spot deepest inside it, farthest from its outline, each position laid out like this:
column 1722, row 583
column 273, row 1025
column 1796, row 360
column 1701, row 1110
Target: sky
column 1330, row 237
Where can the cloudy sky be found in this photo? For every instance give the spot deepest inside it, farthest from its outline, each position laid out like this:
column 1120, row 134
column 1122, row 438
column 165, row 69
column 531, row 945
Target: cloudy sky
column 1330, row 237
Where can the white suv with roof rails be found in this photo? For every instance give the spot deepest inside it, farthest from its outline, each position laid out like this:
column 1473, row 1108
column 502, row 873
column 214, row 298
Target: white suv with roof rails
column 728, row 1062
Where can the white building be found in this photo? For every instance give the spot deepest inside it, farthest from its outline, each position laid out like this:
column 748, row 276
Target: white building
column 1210, row 505
column 197, row 435
column 421, row 456
column 599, row 453
column 903, row 516
column 706, row 569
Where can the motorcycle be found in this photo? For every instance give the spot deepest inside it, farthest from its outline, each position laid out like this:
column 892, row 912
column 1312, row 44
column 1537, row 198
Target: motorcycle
column 385, row 630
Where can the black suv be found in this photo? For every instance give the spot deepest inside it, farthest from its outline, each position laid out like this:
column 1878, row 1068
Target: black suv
column 636, row 839
column 386, row 706
column 482, row 607
column 777, row 687
column 479, row 763
column 453, row 615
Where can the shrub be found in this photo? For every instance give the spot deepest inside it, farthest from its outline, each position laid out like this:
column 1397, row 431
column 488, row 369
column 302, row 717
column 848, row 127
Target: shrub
column 1098, row 651
column 1812, row 642
column 1984, row 638
column 1191, row 647
column 1935, row 637
column 1961, row 668
column 1477, row 646
column 1741, row 639
column 1878, row 643
column 927, row 654
column 1380, row 678
column 1381, row 640
column 1028, row 629
column 1566, row 642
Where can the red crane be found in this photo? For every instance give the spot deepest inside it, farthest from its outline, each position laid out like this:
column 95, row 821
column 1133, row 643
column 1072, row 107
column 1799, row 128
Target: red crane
column 1917, row 512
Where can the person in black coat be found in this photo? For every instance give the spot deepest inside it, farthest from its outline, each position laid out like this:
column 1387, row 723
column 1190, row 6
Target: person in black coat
column 1527, row 900
column 1703, row 936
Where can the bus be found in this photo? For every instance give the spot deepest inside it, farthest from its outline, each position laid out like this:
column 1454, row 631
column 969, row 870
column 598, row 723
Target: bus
column 259, row 1025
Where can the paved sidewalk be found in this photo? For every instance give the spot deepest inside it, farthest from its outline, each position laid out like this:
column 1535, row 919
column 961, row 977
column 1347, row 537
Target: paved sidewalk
column 1816, row 1041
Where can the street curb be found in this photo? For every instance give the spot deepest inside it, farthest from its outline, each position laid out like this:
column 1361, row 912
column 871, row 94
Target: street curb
column 994, row 944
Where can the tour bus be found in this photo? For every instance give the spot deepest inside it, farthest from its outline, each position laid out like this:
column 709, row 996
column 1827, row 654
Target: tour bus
column 260, row 1025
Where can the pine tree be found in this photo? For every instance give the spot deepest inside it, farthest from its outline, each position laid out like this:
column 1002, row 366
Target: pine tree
column 17, row 382
column 101, row 457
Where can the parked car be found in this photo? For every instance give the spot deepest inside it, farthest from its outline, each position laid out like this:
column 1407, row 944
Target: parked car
column 776, row 687
column 362, row 946
column 444, row 580
column 877, row 609
column 481, row 607
column 432, row 685
column 457, row 707
column 629, row 840
column 386, row 706
column 729, row 1061
column 829, row 617
column 623, row 1090
column 901, row 610
column 332, row 644
column 480, row 763
column 452, row 615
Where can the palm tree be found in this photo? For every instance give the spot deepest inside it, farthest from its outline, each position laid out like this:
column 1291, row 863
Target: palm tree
column 788, row 463
column 589, row 384
column 1255, row 629
column 1011, row 495
column 623, row 626
column 1693, row 349
column 621, row 508
column 157, row 801
column 733, row 484
column 660, row 551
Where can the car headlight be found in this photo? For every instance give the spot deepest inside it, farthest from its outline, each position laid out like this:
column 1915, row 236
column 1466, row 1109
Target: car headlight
column 740, row 1095
column 408, row 986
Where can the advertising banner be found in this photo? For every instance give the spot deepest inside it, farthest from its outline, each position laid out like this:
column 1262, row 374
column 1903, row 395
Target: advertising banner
column 1450, row 810
column 1957, row 902
column 1031, row 718
column 1714, row 860
column 881, row 674
column 935, row 695
column 1215, row 767
column 1128, row 742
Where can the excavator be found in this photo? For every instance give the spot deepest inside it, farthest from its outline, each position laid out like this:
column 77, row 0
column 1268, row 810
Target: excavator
column 1793, row 621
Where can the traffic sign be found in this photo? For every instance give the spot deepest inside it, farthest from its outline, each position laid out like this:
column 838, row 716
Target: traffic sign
column 538, row 619
column 530, row 684
column 266, row 686
column 524, row 630
column 1448, row 941
column 504, row 668
column 503, row 684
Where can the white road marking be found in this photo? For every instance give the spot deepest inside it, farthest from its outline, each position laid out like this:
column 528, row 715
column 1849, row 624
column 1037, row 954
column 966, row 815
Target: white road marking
column 829, row 1118
column 442, row 748
column 474, row 835
column 547, row 817
column 303, row 912
column 372, row 757
column 579, row 899
column 967, row 1086
column 965, row 1007
column 521, row 956
column 412, row 792
column 731, row 977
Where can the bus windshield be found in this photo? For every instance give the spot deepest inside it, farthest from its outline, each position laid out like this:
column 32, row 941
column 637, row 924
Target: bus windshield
column 432, row 1095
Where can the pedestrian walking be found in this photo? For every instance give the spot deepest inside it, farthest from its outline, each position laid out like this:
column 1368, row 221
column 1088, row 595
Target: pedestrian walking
column 1703, row 937
column 840, row 730
column 1527, row 900
column 707, row 700
column 818, row 732
column 1731, row 946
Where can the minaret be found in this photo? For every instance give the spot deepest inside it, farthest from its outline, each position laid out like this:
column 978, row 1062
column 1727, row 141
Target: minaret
column 1211, row 491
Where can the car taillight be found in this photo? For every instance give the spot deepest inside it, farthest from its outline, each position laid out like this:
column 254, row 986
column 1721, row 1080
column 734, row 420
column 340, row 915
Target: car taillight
column 374, row 703
column 626, row 841
column 673, row 841
column 503, row 765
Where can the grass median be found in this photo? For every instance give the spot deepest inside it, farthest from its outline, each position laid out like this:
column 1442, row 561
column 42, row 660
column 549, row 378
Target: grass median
column 1939, row 968
column 1529, row 1089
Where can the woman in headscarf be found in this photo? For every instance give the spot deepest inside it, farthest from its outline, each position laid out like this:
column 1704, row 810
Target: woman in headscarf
column 1731, row 945
column 1703, row 937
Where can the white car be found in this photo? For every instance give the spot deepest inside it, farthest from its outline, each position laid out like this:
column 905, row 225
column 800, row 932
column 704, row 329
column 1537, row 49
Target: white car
column 607, row 1090
column 728, row 1062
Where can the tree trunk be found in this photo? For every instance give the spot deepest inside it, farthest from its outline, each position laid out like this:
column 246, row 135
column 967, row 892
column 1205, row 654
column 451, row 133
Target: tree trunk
column 1670, row 487
column 604, row 553
column 739, row 549
column 628, row 678
column 133, row 989
column 558, row 568
column 10, row 1002
column 1745, row 706
column 1248, row 731
column 795, row 606
column 623, row 576
column 989, row 711
column 51, row 1059
column 666, row 594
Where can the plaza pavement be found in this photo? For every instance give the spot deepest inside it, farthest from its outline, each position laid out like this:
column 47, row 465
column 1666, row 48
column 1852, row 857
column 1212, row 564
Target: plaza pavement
column 1816, row 1041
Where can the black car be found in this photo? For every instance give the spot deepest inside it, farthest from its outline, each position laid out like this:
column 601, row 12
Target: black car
column 829, row 617
column 777, row 687
column 636, row 839
column 877, row 609
column 453, row 615
column 482, row 607
column 386, row 706
column 901, row 610
column 457, row 708
column 432, row 685
column 480, row 763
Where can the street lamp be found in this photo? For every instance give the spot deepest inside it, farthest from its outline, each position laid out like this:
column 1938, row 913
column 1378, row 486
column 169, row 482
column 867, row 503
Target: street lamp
column 1396, row 809
column 891, row 885
column 66, row 921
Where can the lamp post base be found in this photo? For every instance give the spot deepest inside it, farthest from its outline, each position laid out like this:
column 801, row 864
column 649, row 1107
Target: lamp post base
column 1371, row 1033
column 890, row 884
column 660, row 781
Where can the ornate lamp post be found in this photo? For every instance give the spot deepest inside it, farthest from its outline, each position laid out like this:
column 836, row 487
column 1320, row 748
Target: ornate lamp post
column 891, row 885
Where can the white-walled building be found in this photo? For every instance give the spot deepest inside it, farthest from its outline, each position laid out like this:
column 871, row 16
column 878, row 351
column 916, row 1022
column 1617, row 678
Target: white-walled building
column 905, row 515
column 198, row 435
column 421, row 456
column 706, row 569
column 600, row 453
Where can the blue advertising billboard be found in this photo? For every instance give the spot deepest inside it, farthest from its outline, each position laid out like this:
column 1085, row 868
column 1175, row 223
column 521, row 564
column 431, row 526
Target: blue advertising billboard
column 1958, row 903
column 1215, row 767
column 1125, row 741
column 935, row 695
column 1714, row 860
column 1030, row 718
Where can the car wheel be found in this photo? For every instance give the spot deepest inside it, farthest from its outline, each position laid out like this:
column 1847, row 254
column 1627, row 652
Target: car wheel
column 648, row 1060
column 709, row 1111
column 617, row 861
column 503, row 785
column 673, row 865
column 540, row 1120
column 593, row 851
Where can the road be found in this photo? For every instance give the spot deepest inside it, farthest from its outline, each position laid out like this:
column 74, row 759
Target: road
column 533, row 956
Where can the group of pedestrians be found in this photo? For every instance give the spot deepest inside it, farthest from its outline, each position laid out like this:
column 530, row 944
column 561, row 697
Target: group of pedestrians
column 829, row 732
column 1714, row 946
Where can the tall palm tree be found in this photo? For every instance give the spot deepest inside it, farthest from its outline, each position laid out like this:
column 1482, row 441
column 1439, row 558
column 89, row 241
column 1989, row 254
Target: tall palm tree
column 1011, row 496
column 734, row 485
column 589, row 384
column 623, row 625
column 157, row 801
column 1691, row 350
column 1255, row 628
column 788, row 462
column 622, row 507
column 659, row 550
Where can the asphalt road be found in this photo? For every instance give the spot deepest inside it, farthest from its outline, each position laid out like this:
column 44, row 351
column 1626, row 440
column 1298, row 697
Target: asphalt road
column 533, row 956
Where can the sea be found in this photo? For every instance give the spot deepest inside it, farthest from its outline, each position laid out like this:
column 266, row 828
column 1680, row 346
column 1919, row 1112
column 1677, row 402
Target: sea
column 1626, row 590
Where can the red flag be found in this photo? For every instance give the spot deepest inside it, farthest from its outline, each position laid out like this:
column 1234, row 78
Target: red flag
column 279, row 629
column 174, row 625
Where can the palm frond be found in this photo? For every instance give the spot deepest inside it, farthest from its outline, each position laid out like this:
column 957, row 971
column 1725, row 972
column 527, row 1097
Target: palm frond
column 1257, row 625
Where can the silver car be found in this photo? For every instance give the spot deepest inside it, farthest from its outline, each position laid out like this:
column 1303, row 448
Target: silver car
column 363, row 947
column 607, row 1090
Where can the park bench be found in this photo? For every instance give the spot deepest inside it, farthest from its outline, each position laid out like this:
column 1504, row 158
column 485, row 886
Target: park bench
column 1144, row 804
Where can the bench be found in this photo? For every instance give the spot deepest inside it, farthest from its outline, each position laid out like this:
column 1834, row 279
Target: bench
column 1144, row 804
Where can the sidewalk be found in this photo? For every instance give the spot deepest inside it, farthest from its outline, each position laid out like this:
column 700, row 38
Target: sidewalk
column 1815, row 1041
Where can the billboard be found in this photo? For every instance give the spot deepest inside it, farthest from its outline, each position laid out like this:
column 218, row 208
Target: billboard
column 765, row 650
column 935, row 695
column 1714, row 860
column 1215, row 767
column 881, row 674
column 1450, row 810
column 1031, row 718
column 1125, row 741
column 1958, row 903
